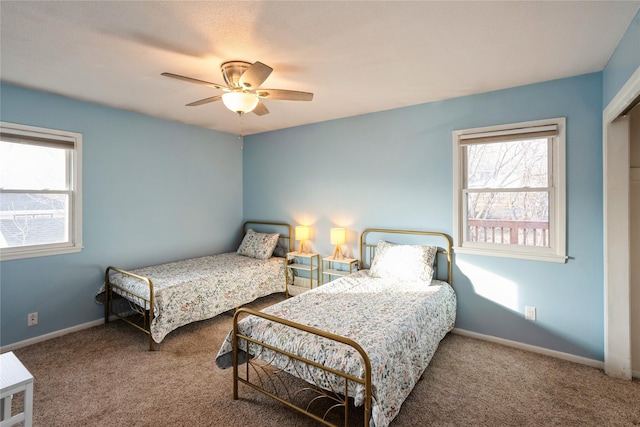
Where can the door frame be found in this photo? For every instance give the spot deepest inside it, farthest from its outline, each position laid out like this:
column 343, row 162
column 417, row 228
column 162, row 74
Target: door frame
column 617, row 319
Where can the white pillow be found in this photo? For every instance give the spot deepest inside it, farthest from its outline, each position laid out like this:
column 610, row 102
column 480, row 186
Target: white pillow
column 403, row 262
column 258, row 245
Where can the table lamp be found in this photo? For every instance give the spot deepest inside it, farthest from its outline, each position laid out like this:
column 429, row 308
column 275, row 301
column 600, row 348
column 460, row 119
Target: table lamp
column 338, row 237
column 302, row 235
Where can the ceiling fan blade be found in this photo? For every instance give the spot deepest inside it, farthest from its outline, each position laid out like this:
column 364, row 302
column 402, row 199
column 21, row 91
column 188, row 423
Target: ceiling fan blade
column 192, row 80
column 260, row 109
column 284, row 95
column 205, row 101
column 255, row 75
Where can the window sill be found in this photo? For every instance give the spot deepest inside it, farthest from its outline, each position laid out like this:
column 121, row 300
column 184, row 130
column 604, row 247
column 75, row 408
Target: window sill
column 33, row 253
column 512, row 254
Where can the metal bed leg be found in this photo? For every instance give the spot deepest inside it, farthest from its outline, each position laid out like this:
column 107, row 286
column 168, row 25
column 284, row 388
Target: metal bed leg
column 107, row 301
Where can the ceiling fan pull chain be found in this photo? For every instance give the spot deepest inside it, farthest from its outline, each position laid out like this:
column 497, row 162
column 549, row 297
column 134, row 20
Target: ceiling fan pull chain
column 241, row 136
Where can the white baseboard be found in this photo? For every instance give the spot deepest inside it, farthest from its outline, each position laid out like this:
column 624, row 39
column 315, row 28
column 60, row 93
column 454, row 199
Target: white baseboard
column 515, row 344
column 535, row 349
column 61, row 332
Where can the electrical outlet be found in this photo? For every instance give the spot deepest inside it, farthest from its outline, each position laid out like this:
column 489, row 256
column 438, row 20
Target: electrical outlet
column 32, row 319
column 530, row 313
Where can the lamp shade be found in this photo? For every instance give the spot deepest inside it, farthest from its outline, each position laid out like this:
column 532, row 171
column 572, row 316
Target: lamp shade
column 240, row 102
column 302, row 232
column 338, row 236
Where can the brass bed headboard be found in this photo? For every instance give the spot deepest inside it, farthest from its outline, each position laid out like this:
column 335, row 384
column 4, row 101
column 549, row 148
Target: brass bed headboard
column 367, row 249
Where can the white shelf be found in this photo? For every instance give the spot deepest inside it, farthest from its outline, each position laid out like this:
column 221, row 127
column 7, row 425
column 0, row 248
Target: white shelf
column 305, row 267
column 297, row 290
column 291, row 255
column 334, row 272
column 348, row 266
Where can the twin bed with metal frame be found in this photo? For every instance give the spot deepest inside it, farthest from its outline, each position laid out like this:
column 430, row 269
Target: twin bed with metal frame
column 364, row 339
column 195, row 289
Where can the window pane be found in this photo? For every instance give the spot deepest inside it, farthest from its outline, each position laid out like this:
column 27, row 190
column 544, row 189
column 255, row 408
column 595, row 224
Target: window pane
column 32, row 167
column 511, row 164
column 510, row 218
column 33, row 219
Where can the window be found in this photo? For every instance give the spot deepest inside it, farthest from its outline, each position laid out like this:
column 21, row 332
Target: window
column 40, row 191
column 509, row 190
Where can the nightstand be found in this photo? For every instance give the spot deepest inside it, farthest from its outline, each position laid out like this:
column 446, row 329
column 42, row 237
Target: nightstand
column 334, row 267
column 14, row 378
column 305, row 268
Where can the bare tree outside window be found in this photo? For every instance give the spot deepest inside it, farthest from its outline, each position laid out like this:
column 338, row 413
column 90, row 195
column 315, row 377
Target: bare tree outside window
column 496, row 214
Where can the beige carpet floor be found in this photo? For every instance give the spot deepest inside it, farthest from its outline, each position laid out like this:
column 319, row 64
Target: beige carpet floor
column 104, row 376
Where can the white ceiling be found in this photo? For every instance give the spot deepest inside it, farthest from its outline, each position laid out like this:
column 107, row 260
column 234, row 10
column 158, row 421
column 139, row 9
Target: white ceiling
column 356, row 57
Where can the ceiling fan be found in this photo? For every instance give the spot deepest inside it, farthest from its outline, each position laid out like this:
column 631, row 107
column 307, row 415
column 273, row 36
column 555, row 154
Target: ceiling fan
column 242, row 91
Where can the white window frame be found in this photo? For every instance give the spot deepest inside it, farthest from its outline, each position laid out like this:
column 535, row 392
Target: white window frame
column 74, row 244
column 556, row 252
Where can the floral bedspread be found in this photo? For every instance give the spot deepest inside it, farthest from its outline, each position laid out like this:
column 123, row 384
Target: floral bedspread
column 398, row 324
column 200, row 288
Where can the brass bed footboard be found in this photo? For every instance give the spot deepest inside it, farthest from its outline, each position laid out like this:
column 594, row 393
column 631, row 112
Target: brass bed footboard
column 146, row 314
column 269, row 384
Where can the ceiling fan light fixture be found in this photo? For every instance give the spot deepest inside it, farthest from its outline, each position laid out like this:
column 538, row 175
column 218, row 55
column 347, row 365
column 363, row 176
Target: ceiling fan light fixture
column 240, row 102
column 242, row 94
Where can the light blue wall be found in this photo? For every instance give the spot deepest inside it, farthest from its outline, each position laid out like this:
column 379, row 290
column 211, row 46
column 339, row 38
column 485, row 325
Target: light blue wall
column 623, row 63
column 156, row 191
column 394, row 169
column 153, row 191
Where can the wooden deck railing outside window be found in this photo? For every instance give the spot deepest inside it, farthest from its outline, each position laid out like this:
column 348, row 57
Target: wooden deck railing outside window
column 526, row 233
